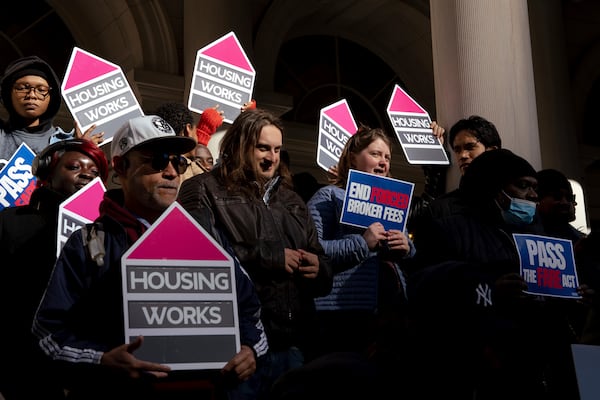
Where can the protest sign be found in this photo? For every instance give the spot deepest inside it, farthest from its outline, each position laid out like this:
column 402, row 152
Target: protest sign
column 547, row 265
column 336, row 126
column 223, row 76
column 97, row 92
column 586, row 359
column 16, row 180
column 372, row 198
column 412, row 126
column 81, row 208
column 179, row 293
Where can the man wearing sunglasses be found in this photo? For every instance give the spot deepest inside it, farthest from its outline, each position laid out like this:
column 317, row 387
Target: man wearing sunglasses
column 80, row 319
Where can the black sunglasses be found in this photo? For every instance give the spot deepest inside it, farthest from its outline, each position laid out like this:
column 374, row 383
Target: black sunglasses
column 160, row 161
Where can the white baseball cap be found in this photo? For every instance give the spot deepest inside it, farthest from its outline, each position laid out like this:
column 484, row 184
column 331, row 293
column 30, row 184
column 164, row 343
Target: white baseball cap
column 149, row 130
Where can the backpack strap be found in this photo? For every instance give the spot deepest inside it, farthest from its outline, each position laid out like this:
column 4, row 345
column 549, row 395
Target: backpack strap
column 93, row 237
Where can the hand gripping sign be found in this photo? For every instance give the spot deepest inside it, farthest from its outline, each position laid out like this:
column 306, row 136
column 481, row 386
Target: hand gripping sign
column 223, row 76
column 336, row 126
column 412, row 126
column 97, row 92
column 179, row 293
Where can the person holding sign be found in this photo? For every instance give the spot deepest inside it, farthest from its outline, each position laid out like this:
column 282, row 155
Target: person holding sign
column 468, row 138
column 367, row 276
column 30, row 93
column 80, row 321
column 249, row 197
column 28, row 248
column 497, row 341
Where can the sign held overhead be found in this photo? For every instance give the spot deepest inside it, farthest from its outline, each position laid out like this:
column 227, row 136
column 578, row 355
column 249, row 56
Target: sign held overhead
column 97, row 92
column 412, row 126
column 336, row 126
column 224, row 76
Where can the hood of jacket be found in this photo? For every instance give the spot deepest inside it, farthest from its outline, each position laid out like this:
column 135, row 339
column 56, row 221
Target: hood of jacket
column 12, row 73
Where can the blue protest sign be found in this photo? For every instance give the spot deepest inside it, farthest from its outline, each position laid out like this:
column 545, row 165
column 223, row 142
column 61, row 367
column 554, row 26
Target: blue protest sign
column 371, row 198
column 16, row 180
column 547, row 265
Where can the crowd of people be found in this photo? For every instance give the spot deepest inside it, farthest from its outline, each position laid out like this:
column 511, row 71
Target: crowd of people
column 326, row 310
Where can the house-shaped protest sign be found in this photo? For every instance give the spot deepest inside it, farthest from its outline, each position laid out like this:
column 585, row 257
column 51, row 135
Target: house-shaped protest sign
column 223, row 76
column 97, row 92
column 412, row 126
column 16, row 180
column 336, row 126
column 81, row 208
column 179, row 293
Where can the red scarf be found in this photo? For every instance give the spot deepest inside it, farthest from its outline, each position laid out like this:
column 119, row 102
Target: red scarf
column 111, row 206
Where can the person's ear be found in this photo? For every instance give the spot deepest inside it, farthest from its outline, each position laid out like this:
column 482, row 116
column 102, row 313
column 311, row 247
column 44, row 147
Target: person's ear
column 503, row 200
column 120, row 164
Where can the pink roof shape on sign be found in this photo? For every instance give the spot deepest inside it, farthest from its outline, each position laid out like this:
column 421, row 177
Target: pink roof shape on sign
column 402, row 102
column 341, row 114
column 86, row 201
column 84, row 67
column 229, row 50
column 176, row 236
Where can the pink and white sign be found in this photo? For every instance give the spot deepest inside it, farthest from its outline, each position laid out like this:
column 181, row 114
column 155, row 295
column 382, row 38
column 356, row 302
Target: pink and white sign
column 179, row 293
column 97, row 92
column 224, row 76
column 81, row 208
column 412, row 126
column 336, row 126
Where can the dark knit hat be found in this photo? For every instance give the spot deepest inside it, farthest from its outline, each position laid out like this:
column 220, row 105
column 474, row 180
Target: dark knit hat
column 29, row 71
column 30, row 65
column 551, row 181
column 491, row 171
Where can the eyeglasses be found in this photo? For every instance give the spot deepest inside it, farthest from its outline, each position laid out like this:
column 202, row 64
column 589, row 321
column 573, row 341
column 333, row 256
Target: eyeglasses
column 465, row 147
column 160, row 161
column 25, row 89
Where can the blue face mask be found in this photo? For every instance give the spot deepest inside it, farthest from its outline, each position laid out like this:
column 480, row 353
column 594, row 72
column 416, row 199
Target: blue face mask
column 520, row 212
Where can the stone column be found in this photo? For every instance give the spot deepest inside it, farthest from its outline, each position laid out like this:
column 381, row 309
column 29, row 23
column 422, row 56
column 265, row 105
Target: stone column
column 483, row 65
column 558, row 138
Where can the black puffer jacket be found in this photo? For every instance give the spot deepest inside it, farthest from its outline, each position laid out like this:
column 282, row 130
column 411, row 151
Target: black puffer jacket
column 259, row 232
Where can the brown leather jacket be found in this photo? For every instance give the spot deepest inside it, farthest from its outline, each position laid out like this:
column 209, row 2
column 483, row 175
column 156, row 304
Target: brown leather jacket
column 259, row 232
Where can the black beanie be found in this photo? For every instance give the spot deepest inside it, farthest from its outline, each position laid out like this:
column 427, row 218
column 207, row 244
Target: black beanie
column 491, row 171
column 551, row 181
column 30, row 65
column 30, row 71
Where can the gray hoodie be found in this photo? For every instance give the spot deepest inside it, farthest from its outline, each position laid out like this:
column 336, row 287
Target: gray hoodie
column 13, row 131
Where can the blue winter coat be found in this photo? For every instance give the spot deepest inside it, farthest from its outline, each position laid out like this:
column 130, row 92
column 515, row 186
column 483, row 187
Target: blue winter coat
column 355, row 283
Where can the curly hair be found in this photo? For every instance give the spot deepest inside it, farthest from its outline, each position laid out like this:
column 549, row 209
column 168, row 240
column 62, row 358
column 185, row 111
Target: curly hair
column 236, row 151
column 363, row 137
column 177, row 115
